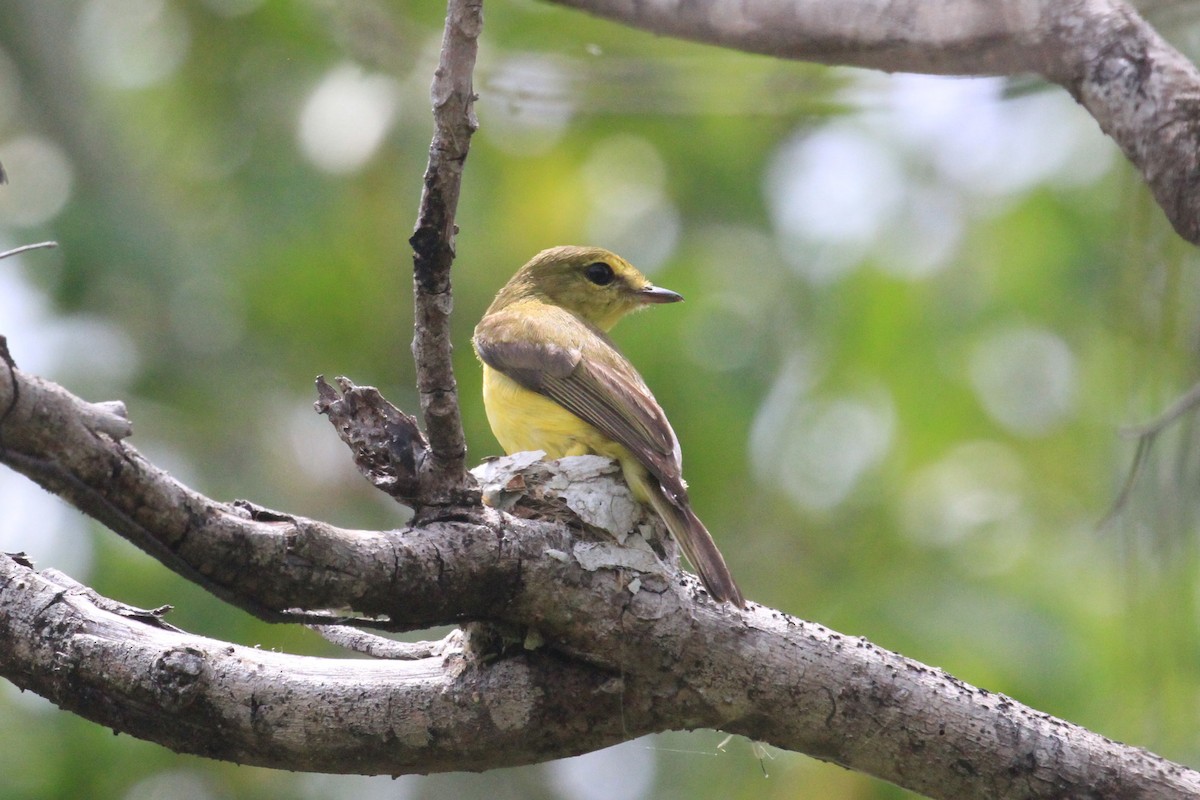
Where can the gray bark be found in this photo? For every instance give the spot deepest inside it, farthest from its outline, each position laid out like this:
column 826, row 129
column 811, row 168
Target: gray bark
column 443, row 477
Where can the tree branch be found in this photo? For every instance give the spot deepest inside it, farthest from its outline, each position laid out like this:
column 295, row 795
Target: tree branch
column 1147, row 434
column 263, row 561
column 211, row 698
column 16, row 251
column 1142, row 92
column 447, row 481
column 572, row 615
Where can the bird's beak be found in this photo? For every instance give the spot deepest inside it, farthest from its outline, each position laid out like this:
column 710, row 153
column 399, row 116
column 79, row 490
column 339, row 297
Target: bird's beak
column 657, row 294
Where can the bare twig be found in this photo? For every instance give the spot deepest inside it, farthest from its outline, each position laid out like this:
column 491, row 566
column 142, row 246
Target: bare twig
column 1183, row 404
column 1147, row 434
column 16, row 251
column 433, row 253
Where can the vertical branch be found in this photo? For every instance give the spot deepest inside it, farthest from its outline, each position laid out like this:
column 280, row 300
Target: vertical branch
column 445, row 478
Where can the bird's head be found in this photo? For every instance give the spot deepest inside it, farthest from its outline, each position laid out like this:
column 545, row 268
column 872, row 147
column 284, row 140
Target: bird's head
column 591, row 282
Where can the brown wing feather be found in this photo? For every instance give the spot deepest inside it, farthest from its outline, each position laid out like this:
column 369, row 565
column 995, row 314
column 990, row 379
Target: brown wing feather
column 626, row 413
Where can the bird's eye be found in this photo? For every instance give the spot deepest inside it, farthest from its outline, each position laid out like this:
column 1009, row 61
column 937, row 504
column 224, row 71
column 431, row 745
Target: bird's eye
column 599, row 273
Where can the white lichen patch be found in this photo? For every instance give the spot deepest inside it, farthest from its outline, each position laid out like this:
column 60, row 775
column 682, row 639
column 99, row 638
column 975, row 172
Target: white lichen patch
column 591, row 487
column 634, row 554
column 501, row 480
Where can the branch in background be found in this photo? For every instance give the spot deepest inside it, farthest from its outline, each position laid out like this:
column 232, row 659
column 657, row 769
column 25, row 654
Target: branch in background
column 605, row 645
column 433, row 252
column 1142, row 92
column 1146, row 435
column 1184, row 404
column 375, row 646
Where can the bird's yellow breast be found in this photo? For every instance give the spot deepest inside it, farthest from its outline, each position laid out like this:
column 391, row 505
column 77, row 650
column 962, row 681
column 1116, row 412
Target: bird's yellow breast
column 524, row 420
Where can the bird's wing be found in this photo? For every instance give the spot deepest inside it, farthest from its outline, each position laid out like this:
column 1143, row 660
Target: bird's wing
column 555, row 354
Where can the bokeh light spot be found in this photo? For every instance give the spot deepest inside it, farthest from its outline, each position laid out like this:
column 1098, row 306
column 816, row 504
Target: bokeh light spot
column 346, row 118
column 974, row 498
column 830, row 192
column 1025, row 379
column 925, row 234
column 315, row 786
column 623, row 772
column 42, row 525
column 630, row 213
column 175, row 783
column 836, row 184
column 528, row 103
column 988, row 144
column 39, row 181
column 818, row 449
column 132, row 44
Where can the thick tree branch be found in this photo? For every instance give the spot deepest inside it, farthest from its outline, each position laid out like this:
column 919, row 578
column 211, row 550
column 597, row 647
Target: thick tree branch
column 571, row 615
column 446, row 479
column 263, row 561
column 1142, row 92
column 74, row 449
column 211, row 698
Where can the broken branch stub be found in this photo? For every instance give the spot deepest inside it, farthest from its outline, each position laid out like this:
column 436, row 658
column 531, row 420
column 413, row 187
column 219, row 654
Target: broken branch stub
column 389, row 448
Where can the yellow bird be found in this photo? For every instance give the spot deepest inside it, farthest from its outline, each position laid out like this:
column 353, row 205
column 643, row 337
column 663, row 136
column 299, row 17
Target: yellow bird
column 553, row 380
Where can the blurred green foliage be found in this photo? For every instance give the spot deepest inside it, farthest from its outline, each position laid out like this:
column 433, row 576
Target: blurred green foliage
column 918, row 313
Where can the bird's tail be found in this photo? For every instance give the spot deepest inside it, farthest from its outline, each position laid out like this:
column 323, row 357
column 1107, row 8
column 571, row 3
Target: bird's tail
column 698, row 546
